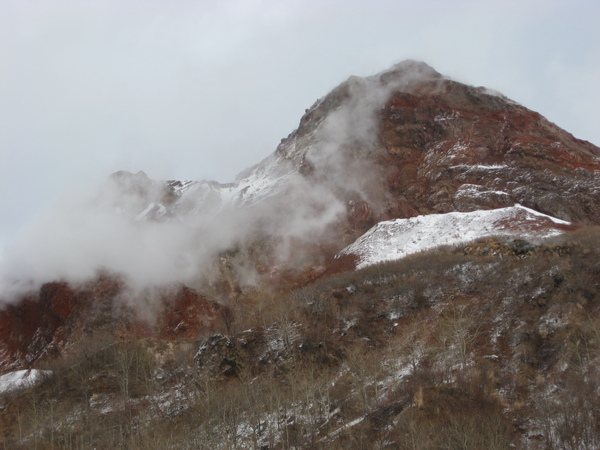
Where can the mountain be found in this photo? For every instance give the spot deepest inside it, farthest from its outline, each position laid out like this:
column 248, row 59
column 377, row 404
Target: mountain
column 419, row 245
column 404, row 143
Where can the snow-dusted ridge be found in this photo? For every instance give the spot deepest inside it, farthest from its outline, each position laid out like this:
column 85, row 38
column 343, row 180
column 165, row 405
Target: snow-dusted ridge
column 207, row 198
column 395, row 239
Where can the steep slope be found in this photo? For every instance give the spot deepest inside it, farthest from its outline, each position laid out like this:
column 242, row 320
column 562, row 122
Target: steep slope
column 465, row 148
column 401, row 144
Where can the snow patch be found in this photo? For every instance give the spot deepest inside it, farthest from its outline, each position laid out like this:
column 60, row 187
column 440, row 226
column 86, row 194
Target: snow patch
column 482, row 167
column 21, row 379
column 395, row 239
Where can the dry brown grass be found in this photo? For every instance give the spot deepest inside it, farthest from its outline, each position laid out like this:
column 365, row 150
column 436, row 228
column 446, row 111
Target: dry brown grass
column 446, row 349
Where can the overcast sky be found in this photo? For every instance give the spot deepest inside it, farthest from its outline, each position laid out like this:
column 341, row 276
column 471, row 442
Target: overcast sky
column 202, row 89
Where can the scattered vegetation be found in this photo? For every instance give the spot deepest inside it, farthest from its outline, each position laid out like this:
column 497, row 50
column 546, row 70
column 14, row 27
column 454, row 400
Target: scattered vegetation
column 488, row 345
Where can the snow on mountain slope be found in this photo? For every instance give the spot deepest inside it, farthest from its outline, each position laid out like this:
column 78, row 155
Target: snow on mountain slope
column 395, row 239
column 21, row 379
column 265, row 180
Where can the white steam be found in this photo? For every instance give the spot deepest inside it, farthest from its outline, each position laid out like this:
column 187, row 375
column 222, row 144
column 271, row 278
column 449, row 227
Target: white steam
column 153, row 234
column 110, row 229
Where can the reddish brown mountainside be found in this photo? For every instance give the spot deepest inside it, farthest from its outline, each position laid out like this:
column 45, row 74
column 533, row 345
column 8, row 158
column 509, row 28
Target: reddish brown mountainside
column 444, row 146
column 430, row 144
column 50, row 323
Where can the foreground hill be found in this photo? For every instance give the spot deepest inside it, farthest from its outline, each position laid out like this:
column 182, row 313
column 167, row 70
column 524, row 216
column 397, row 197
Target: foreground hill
column 491, row 344
column 486, row 343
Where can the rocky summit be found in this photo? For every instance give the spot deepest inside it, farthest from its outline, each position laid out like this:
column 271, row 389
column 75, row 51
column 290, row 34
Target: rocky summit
column 415, row 266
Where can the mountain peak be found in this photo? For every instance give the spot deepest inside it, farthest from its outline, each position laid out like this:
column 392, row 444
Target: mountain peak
column 399, row 144
column 409, row 69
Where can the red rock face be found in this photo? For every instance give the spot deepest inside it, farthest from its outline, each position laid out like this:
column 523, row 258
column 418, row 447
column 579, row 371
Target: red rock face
column 451, row 147
column 43, row 325
column 36, row 327
column 188, row 314
column 442, row 146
